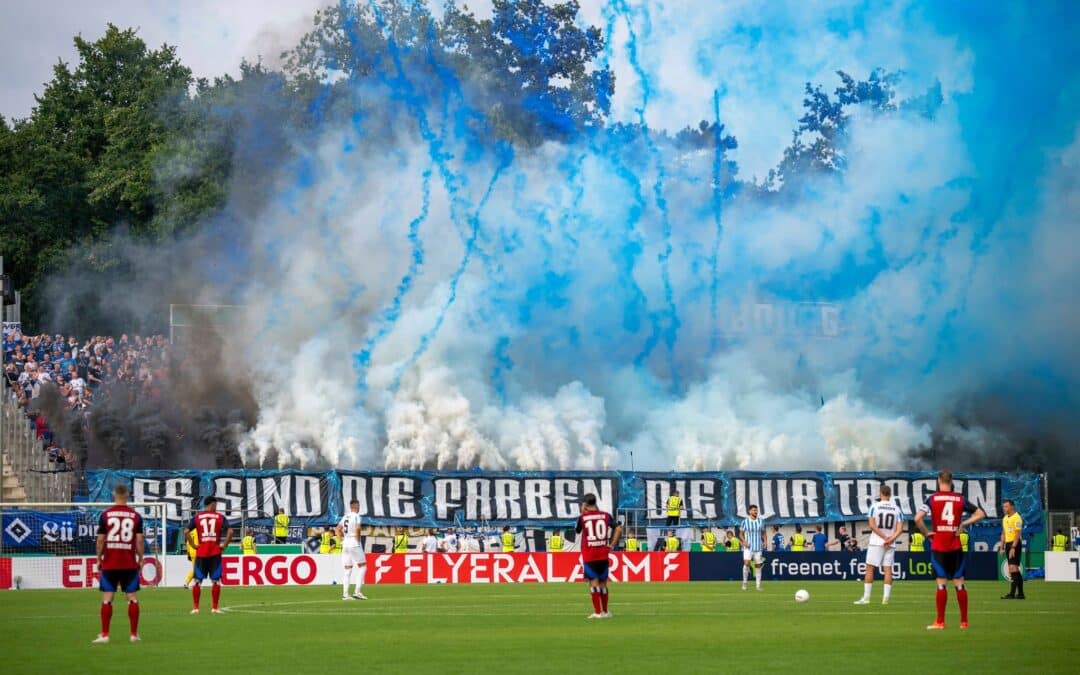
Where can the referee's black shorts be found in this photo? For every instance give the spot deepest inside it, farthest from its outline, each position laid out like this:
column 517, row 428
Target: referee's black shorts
column 1012, row 556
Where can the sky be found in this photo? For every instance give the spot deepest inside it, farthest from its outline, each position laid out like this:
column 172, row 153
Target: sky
column 211, row 36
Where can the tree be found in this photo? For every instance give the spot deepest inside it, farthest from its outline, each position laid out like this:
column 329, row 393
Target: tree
column 526, row 75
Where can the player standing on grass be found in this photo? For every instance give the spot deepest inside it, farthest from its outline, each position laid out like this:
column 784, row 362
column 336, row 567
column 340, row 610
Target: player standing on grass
column 946, row 510
column 886, row 524
column 119, row 559
column 211, row 527
column 752, row 537
column 597, row 540
column 352, row 552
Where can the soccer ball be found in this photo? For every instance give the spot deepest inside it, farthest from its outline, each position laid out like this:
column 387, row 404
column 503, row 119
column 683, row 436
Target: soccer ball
column 801, row 596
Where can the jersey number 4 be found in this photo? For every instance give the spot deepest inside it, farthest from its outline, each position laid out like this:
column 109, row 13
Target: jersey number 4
column 121, row 529
column 596, row 530
column 947, row 514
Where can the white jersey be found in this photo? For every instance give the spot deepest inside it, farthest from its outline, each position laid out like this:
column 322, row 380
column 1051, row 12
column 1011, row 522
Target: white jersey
column 450, row 543
column 350, row 523
column 752, row 529
column 885, row 516
column 430, row 545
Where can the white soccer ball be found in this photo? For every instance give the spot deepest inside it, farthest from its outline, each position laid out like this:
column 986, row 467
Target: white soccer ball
column 801, row 596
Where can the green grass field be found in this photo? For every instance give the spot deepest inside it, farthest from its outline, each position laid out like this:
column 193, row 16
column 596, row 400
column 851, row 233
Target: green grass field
column 699, row 627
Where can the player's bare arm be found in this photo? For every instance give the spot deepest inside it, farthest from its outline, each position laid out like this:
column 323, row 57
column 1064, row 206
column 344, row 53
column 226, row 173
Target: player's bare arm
column 140, row 544
column 919, row 517
column 876, row 530
column 975, row 517
column 100, row 548
column 339, row 531
column 228, row 538
column 616, row 536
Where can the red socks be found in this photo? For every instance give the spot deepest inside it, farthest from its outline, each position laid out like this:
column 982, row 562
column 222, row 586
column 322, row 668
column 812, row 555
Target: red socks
column 215, row 593
column 133, row 616
column 942, row 600
column 196, row 591
column 596, row 601
column 603, row 599
column 961, row 598
column 106, row 617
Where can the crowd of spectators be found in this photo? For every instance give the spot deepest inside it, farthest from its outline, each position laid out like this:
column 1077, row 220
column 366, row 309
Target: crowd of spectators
column 83, row 375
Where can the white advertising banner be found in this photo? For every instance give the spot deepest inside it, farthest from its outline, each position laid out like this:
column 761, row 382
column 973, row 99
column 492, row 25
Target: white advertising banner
column 1063, row 565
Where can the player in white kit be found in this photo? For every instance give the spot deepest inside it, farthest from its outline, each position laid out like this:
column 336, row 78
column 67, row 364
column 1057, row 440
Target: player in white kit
column 886, row 524
column 352, row 552
column 450, row 542
column 752, row 535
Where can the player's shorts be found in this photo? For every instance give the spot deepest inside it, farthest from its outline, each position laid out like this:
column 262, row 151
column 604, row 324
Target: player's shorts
column 948, row 564
column 1014, row 558
column 880, row 557
column 596, row 569
column 208, row 568
column 353, row 555
column 748, row 555
column 115, row 581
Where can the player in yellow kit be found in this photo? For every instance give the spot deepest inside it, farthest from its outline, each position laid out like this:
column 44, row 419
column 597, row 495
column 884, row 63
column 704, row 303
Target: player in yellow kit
column 192, row 544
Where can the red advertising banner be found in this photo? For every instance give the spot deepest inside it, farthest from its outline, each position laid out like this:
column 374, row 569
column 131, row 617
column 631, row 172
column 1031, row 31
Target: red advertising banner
column 518, row 568
column 382, row 568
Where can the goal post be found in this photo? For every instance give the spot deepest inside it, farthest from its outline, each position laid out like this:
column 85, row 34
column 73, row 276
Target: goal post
column 53, row 544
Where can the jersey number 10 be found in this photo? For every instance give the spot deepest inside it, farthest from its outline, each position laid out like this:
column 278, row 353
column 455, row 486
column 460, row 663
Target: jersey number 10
column 596, row 530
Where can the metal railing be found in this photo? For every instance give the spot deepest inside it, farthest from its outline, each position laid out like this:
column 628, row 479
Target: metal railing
column 42, row 478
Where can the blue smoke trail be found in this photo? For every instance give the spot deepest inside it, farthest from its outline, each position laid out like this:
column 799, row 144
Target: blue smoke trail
column 671, row 331
column 505, row 154
column 714, row 257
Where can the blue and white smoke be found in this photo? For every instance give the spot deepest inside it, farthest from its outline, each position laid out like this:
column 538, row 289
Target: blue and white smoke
column 451, row 304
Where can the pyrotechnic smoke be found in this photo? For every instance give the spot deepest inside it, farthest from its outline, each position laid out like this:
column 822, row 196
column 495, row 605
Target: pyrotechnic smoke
column 417, row 295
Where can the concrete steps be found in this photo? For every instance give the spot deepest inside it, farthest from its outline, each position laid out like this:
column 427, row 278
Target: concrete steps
column 11, row 489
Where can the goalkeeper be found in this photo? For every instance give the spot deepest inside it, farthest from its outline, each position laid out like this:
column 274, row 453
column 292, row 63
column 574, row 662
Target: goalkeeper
column 191, row 547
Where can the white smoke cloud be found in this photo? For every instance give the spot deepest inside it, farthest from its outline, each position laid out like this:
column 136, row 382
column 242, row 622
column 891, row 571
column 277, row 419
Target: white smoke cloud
column 550, row 278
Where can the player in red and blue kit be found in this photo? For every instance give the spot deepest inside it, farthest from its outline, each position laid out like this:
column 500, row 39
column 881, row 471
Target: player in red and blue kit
column 211, row 528
column 946, row 510
column 597, row 540
column 119, row 557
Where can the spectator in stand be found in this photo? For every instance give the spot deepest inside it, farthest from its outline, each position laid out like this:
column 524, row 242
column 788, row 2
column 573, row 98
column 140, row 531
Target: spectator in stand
column 842, row 538
column 821, row 540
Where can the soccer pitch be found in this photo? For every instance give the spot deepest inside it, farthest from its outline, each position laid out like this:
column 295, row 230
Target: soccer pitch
column 689, row 627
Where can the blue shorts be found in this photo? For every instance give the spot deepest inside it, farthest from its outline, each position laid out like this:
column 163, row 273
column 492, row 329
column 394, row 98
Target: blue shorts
column 948, row 564
column 208, row 568
column 113, row 581
column 596, row 569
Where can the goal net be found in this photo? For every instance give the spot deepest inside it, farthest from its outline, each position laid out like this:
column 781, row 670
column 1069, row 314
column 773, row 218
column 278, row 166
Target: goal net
column 52, row 545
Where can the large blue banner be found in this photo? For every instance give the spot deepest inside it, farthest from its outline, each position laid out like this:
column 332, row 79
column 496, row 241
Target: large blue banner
column 550, row 499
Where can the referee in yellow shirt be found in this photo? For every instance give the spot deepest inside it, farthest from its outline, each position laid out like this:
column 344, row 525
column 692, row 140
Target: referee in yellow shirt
column 1012, row 545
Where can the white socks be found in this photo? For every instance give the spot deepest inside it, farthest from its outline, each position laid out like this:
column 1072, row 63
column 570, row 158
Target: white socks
column 359, row 579
column 757, row 575
column 888, row 590
column 745, row 573
column 347, row 577
column 866, row 591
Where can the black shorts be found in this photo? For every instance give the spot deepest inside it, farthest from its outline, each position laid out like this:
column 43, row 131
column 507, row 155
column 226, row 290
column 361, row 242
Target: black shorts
column 596, row 569
column 1014, row 558
column 948, row 564
column 672, row 521
column 208, row 568
column 119, row 581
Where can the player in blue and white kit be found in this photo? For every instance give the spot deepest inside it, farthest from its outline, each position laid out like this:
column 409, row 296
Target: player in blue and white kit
column 352, row 552
column 752, row 536
column 886, row 524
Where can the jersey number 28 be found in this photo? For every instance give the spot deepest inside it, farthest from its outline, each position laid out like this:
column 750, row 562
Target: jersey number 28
column 121, row 529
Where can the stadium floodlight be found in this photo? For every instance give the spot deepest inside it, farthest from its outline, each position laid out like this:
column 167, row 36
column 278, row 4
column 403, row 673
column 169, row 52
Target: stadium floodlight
column 52, row 544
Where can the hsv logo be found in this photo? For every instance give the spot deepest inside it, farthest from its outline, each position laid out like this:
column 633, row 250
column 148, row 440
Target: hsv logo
column 17, row 530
